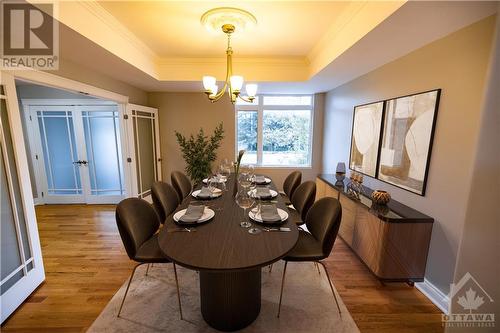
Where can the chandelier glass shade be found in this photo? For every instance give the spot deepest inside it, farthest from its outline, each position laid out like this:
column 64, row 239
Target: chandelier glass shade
column 233, row 84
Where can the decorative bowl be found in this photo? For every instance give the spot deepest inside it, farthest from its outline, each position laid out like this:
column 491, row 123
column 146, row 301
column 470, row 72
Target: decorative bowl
column 380, row 197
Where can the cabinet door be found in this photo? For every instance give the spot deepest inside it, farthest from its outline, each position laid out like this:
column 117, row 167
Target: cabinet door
column 368, row 240
column 346, row 230
column 320, row 189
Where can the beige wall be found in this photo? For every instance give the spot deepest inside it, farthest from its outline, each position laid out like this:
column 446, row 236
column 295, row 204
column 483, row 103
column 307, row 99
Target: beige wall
column 79, row 73
column 188, row 112
column 457, row 64
column 479, row 252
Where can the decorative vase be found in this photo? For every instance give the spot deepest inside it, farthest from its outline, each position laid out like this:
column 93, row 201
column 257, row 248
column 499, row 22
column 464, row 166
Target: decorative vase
column 380, row 197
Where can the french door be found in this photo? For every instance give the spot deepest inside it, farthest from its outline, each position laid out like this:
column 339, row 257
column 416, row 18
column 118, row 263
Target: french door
column 77, row 153
column 144, row 149
column 21, row 259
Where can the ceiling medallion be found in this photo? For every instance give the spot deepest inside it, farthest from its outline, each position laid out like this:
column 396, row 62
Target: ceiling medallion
column 228, row 20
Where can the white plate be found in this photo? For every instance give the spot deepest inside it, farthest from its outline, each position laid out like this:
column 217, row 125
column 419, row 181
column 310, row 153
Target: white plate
column 222, row 180
column 255, row 215
column 268, row 180
column 251, row 193
column 207, row 215
column 215, row 193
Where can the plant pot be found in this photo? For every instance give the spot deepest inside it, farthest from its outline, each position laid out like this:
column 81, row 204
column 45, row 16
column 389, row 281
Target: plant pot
column 380, row 197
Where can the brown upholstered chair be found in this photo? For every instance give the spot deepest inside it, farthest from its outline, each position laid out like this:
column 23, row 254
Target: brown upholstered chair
column 137, row 223
column 323, row 222
column 302, row 200
column 292, row 181
column 165, row 199
column 182, row 184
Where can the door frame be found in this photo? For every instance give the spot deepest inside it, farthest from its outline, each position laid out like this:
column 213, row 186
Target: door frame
column 33, row 134
column 16, row 294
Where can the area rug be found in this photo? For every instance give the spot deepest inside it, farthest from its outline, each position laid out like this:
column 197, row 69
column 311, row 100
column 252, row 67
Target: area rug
column 151, row 304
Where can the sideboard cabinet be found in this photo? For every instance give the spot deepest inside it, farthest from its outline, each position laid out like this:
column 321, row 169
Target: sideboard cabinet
column 392, row 240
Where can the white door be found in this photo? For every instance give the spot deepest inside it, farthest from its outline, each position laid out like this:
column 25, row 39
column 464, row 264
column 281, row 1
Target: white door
column 76, row 150
column 21, row 258
column 144, row 149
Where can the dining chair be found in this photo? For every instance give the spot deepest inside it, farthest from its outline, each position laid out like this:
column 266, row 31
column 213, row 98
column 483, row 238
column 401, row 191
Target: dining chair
column 302, row 200
column 292, row 181
column 165, row 199
column 323, row 222
column 137, row 224
column 181, row 183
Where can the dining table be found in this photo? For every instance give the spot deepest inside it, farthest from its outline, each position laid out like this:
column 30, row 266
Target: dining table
column 228, row 258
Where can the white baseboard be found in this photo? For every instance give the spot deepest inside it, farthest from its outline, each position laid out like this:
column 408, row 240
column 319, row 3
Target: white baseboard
column 435, row 295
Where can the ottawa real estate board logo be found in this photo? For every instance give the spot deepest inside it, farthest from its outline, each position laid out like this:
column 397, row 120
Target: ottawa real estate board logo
column 30, row 35
column 472, row 305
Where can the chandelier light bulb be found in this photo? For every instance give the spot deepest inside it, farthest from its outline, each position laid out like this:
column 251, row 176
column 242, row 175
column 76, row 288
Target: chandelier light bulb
column 214, row 90
column 209, row 83
column 236, row 83
column 251, row 89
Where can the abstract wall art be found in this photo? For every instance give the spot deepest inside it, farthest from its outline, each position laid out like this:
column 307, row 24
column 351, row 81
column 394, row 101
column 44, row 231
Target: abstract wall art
column 407, row 140
column 367, row 121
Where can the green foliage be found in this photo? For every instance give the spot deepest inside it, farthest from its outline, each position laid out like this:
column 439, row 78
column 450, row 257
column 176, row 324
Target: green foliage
column 286, row 131
column 200, row 152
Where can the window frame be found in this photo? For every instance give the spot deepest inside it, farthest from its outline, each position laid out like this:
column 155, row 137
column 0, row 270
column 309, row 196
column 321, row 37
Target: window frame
column 259, row 108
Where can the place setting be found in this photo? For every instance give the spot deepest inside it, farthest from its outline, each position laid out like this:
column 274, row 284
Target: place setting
column 194, row 215
column 211, row 191
column 264, row 213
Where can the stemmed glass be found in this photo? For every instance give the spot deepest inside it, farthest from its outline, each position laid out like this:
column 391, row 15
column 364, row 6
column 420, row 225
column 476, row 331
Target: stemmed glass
column 244, row 180
column 245, row 201
column 224, row 172
column 251, row 171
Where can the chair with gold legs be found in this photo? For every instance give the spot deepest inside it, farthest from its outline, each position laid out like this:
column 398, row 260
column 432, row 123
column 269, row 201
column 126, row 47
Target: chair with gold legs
column 137, row 223
column 323, row 222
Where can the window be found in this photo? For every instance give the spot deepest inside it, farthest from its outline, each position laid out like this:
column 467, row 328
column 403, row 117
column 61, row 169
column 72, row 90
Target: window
column 276, row 130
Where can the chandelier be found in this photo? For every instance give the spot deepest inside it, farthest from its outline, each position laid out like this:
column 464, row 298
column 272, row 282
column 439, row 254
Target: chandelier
column 228, row 19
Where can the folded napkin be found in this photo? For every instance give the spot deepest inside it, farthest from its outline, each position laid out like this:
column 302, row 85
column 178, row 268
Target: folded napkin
column 263, row 193
column 193, row 214
column 269, row 213
column 259, row 179
column 204, row 193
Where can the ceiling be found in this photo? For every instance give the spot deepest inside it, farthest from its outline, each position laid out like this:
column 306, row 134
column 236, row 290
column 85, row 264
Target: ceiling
column 161, row 46
column 284, row 28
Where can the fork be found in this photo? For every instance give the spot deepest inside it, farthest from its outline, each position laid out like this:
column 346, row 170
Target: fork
column 183, row 230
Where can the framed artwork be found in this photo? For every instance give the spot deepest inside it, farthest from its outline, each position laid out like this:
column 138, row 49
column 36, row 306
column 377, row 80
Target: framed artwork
column 406, row 144
column 365, row 138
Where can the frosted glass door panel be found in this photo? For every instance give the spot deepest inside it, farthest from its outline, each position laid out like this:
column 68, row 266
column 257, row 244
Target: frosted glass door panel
column 57, row 135
column 10, row 257
column 15, row 246
column 145, row 144
column 102, row 141
column 145, row 151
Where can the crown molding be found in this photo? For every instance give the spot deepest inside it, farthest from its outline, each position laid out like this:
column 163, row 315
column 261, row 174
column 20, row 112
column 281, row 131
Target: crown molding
column 99, row 12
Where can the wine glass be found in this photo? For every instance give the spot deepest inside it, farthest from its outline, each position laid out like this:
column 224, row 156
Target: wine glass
column 212, row 183
column 251, row 171
column 244, row 180
column 245, row 201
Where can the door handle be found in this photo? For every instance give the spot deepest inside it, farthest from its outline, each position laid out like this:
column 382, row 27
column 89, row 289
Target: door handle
column 77, row 162
column 81, row 162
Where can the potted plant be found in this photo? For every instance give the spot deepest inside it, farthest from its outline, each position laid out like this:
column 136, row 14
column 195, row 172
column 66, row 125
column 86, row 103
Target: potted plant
column 200, row 152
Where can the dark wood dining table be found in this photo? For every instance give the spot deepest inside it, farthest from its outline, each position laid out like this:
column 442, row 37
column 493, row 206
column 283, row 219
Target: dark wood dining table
column 229, row 259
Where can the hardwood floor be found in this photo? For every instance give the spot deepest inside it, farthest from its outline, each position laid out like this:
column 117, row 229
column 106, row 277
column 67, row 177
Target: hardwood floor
column 85, row 264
